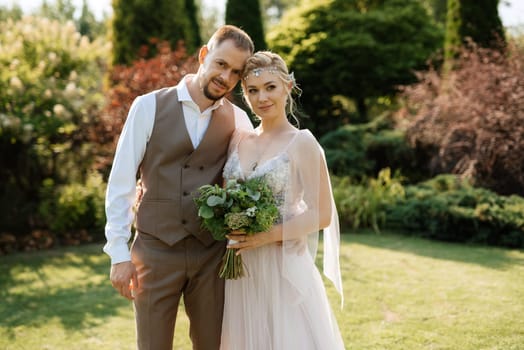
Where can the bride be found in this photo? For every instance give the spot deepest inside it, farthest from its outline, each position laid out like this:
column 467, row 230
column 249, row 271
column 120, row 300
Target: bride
column 281, row 303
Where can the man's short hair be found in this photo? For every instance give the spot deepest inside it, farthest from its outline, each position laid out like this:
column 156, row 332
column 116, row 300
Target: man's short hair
column 230, row 32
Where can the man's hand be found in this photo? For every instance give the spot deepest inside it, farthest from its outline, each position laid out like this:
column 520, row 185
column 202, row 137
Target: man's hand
column 124, row 278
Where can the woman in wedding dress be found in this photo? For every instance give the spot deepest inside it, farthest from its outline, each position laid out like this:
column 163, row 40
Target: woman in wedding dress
column 281, row 302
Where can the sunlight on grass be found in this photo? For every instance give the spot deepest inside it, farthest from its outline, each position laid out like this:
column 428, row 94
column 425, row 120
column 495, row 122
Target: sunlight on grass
column 400, row 293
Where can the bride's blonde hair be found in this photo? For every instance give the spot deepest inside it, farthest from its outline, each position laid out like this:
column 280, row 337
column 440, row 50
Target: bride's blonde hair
column 269, row 61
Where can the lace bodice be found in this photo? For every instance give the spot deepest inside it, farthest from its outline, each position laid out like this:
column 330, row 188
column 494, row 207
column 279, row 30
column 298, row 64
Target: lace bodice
column 275, row 171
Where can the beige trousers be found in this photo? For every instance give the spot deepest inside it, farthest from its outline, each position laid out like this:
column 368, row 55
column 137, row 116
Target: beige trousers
column 165, row 273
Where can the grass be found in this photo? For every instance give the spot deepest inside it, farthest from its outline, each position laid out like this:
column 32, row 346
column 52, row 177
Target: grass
column 400, row 293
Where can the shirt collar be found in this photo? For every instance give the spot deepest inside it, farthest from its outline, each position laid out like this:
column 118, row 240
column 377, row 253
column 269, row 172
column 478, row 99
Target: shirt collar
column 184, row 96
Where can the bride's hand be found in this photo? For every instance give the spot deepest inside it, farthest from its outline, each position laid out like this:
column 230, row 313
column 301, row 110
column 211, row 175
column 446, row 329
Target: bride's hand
column 248, row 242
column 237, row 236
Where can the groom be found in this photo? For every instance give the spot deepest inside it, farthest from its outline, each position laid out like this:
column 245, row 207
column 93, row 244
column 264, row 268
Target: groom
column 176, row 139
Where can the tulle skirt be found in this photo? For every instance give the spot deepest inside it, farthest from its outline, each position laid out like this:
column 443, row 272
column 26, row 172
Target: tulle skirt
column 281, row 304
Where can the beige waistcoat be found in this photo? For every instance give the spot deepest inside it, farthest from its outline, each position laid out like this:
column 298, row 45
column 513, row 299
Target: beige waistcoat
column 172, row 170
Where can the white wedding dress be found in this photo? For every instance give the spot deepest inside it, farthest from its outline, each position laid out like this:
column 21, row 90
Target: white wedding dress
column 281, row 303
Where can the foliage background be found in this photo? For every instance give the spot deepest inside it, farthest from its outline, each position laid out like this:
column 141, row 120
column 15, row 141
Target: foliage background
column 388, row 113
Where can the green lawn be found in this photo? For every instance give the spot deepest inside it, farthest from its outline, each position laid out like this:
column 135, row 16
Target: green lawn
column 400, row 293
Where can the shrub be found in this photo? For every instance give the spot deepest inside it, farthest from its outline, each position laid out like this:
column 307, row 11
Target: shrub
column 471, row 122
column 346, row 152
column 364, row 205
column 74, row 207
column 50, row 94
column 362, row 150
column 449, row 208
column 143, row 76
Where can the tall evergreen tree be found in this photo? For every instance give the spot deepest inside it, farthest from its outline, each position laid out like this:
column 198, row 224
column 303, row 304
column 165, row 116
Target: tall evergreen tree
column 247, row 15
column 194, row 27
column 87, row 23
column 478, row 20
column 61, row 10
column 138, row 25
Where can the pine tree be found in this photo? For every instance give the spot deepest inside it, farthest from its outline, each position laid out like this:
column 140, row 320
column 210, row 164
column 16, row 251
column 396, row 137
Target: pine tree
column 247, row 15
column 194, row 27
column 477, row 20
column 481, row 22
column 87, row 23
column 138, row 25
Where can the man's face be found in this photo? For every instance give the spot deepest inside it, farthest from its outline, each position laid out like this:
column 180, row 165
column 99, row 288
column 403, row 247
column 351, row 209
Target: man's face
column 221, row 70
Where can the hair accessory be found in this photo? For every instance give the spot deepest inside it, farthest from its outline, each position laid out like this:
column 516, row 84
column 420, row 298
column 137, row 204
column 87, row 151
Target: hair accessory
column 257, row 71
column 292, row 78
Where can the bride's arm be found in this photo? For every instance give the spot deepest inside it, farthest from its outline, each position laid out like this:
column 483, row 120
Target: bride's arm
column 312, row 177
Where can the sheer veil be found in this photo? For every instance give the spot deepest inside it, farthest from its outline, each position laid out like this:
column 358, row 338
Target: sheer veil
column 309, row 193
column 309, row 206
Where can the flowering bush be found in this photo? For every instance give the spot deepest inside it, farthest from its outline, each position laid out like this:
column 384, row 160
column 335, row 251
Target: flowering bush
column 471, row 122
column 145, row 75
column 50, row 94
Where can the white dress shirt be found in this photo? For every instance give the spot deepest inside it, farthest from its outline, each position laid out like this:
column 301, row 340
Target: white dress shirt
column 121, row 186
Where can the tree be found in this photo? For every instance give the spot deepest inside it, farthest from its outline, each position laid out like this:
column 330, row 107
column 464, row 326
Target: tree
column 475, row 20
column 247, row 15
column 437, row 9
column 61, row 10
column 14, row 12
column 64, row 11
column 354, row 49
column 87, row 23
column 274, row 10
column 194, row 27
column 138, row 25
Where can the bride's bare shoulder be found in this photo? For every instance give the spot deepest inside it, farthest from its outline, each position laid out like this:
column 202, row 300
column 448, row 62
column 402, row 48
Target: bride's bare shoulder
column 304, row 139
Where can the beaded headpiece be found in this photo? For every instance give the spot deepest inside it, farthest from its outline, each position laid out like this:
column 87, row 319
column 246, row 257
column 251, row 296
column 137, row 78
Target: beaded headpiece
column 271, row 69
column 257, row 71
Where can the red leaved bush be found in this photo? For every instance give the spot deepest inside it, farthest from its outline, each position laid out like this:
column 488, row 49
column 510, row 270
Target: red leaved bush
column 472, row 122
column 126, row 83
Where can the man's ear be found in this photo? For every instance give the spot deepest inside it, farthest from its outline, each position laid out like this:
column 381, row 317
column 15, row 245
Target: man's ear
column 202, row 54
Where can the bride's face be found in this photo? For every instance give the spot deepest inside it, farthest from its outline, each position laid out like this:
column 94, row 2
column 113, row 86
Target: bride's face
column 266, row 94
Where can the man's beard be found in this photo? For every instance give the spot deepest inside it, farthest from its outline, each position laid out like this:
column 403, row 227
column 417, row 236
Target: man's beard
column 210, row 96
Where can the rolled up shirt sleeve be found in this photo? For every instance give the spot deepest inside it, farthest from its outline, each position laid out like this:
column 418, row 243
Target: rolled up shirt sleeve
column 121, row 186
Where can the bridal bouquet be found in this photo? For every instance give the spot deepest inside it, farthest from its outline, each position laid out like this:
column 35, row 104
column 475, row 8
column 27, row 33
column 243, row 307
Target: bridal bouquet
column 247, row 206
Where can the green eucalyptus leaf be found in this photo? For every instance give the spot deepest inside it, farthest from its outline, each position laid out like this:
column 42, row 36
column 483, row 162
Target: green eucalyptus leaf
column 255, row 195
column 205, row 212
column 213, row 201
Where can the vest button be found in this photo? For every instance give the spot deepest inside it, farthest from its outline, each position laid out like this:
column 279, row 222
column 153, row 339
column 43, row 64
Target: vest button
column 201, row 168
column 186, row 166
column 185, row 193
column 184, row 221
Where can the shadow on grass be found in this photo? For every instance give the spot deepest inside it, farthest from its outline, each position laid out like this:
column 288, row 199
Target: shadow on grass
column 32, row 295
column 491, row 257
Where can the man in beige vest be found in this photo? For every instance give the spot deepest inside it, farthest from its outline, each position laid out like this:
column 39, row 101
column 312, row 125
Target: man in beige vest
column 176, row 139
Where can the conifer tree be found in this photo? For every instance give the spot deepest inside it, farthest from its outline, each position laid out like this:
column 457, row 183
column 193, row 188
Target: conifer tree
column 194, row 27
column 138, row 25
column 247, row 15
column 477, row 20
